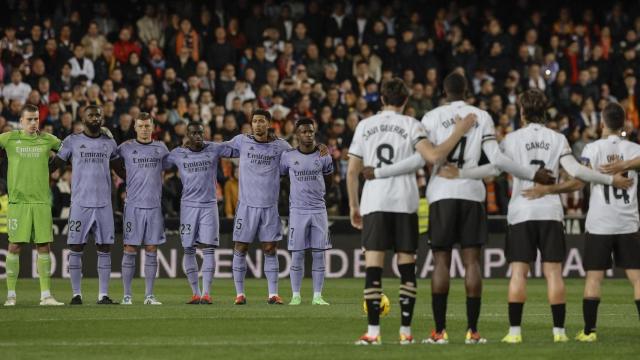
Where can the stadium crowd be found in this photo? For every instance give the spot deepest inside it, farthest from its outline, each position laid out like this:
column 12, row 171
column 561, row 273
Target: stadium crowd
column 215, row 62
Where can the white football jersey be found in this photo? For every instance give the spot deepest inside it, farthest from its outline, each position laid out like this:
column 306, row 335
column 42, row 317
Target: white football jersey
column 539, row 147
column 611, row 210
column 381, row 140
column 439, row 124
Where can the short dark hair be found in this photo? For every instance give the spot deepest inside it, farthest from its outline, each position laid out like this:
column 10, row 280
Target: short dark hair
column 28, row 108
column 455, row 84
column 194, row 123
column 261, row 112
column 533, row 103
column 614, row 116
column 303, row 121
column 143, row 116
column 394, row 92
column 92, row 107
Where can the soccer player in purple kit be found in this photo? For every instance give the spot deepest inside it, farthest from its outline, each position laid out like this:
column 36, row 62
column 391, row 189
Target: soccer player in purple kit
column 142, row 160
column 309, row 174
column 197, row 163
column 90, row 153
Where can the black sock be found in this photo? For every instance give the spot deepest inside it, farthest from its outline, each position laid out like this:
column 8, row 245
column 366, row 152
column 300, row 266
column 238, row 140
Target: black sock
column 473, row 313
column 638, row 306
column 439, row 308
column 590, row 314
column 373, row 293
column 408, row 289
column 515, row 313
column 558, row 312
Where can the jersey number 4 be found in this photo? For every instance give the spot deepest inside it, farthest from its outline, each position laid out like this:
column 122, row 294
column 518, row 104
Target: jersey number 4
column 617, row 194
column 460, row 146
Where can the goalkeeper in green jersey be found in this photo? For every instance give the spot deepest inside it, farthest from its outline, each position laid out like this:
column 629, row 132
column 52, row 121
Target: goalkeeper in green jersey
column 29, row 215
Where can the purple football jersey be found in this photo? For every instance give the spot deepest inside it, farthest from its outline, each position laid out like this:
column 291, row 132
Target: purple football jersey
column 306, row 173
column 143, row 163
column 259, row 169
column 91, row 176
column 198, row 171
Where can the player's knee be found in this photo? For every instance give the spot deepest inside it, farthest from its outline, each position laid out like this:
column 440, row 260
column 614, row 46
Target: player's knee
column 151, row 248
column 131, row 249
column 105, row 248
column 269, row 248
column 76, row 247
column 241, row 247
column 43, row 248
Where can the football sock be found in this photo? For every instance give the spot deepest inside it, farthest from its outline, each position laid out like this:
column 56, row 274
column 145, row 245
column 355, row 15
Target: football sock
column 297, row 271
column 208, row 269
column 317, row 271
column 104, row 273
column 473, row 313
column 128, row 271
column 439, row 308
column 406, row 330
column 373, row 330
column 150, row 271
column 558, row 312
column 271, row 269
column 239, row 268
column 590, row 314
column 13, row 269
column 408, row 290
column 75, row 271
column 372, row 295
column 190, row 265
column 515, row 313
column 44, row 273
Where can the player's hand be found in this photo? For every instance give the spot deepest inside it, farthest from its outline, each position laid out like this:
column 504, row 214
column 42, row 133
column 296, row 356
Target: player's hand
column 464, row 124
column 622, row 182
column 544, row 177
column 536, row 192
column 356, row 218
column 324, row 150
column 614, row 167
column 449, row 171
column 369, row 173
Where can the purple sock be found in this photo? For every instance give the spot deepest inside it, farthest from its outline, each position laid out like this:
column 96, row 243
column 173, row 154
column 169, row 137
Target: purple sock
column 297, row 270
column 239, row 268
column 317, row 270
column 271, row 269
column 208, row 269
column 104, row 273
column 190, row 266
column 128, row 271
column 75, row 271
column 150, row 271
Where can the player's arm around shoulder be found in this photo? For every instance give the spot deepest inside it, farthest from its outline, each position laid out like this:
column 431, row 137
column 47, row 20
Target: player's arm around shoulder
column 437, row 154
column 621, row 166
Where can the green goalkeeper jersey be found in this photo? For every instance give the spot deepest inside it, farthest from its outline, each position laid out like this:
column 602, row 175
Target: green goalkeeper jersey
column 28, row 170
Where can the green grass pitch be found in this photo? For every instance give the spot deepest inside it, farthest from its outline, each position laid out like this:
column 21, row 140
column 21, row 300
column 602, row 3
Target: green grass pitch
column 261, row 331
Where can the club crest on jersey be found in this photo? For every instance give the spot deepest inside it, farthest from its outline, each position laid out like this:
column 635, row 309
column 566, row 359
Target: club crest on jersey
column 317, row 163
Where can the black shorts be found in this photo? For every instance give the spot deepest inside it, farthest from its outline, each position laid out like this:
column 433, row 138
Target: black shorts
column 526, row 238
column 390, row 231
column 598, row 250
column 456, row 221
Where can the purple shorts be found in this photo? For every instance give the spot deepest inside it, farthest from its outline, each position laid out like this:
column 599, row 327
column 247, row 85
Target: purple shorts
column 143, row 226
column 85, row 220
column 199, row 225
column 253, row 223
column 308, row 231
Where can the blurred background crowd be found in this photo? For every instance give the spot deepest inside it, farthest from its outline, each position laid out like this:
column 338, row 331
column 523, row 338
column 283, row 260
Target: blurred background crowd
column 216, row 61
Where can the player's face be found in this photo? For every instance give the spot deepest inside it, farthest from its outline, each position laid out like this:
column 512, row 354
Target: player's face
column 93, row 119
column 306, row 134
column 30, row 122
column 259, row 125
column 195, row 134
column 143, row 129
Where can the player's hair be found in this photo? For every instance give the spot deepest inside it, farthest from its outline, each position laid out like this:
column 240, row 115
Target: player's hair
column 262, row 112
column 533, row 105
column 92, row 107
column 303, row 121
column 144, row 116
column 613, row 116
column 28, row 108
column 394, row 92
column 194, row 123
column 455, row 85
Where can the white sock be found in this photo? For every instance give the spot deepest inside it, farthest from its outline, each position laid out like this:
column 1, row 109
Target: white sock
column 240, row 294
column 317, row 294
column 272, row 295
column 405, row 330
column 558, row 331
column 74, row 295
column 373, row 330
column 294, row 294
column 11, row 294
column 100, row 296
column 514, row 330
column 45, row 294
